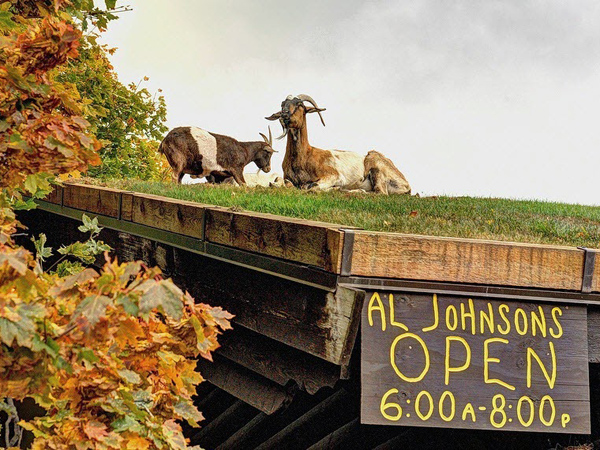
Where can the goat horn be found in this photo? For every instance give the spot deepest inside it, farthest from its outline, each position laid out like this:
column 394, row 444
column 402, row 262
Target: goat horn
column 274, row 116
column 283, row 135
column 308, row 98
column 270, row 137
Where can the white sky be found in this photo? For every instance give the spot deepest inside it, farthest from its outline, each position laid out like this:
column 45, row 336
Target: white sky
column 493, row 98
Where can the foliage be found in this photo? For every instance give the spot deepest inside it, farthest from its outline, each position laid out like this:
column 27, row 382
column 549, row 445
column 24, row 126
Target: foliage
column 484, row 218
column 128, row 120
column 108, row 354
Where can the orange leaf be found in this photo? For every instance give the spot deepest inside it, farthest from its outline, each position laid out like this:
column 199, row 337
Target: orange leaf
column 138, row 443
column 128, row 332
column 95, row 430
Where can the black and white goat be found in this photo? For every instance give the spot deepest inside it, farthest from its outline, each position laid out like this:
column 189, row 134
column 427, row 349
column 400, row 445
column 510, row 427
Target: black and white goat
column 194, row 151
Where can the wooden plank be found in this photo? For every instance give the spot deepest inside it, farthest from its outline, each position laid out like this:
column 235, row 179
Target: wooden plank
column 223, row 426
column 55, row 196
column 93, row 199
column 245, row 434
column 309, row 319
column 324, row 418
column 244, row 384
column 276, row 361
column 594, row 334
column 126, row 206
column 486, row 355
column 348, row 436
column 313, row 243
column 304, row 317
column 392, row 255
column 169, row 214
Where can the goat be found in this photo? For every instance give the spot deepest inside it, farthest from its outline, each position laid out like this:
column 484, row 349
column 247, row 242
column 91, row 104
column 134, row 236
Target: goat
column 384, row 176
column 194, row 151
column 306, row 166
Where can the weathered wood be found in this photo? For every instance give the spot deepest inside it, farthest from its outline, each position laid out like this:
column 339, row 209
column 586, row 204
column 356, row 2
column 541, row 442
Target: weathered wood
column 244, row 384
column 325, row 418
column 314, row 243
column 127, row 205
column 276, row 361
column 224, row 425
column 348, row 436
column 96, row 199
column 245, row 434
column 169, row 214
column 55, row 196
column 309, row 319
column 594, row 334
column 393, row 255
column 410, row 340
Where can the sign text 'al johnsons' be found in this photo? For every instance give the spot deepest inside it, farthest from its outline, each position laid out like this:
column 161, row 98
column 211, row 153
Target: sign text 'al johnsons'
column 457, row 362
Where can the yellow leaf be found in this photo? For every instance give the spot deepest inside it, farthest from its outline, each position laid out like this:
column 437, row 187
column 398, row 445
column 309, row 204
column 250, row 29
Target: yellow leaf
column 138, row 443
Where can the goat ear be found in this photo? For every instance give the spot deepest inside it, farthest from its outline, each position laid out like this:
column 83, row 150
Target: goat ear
column 274, row 116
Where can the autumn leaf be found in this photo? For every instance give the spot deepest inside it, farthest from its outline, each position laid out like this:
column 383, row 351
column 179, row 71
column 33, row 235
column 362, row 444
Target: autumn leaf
column 72, row 281
column 95, row 430
column 128, row 332
column 220, row 316
column 189, row 412
column 17, row 323
column 15, row 258
column 174, row 436
column 130, row 376
column 161, row 294
column 93, row 308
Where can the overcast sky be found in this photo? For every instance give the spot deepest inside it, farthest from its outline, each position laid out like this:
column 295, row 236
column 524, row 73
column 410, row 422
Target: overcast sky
column 491, row 98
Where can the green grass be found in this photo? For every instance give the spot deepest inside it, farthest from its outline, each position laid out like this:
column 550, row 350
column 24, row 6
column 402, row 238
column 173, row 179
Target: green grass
column 483, row 218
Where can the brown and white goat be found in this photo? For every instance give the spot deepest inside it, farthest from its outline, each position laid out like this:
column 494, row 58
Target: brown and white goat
column 384, row 175
column 194, row 151
column 307, row 166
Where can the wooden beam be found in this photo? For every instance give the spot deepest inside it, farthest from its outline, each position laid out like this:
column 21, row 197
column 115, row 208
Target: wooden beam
column 314, row 243
column 276, row 361
column 99, row 200
column 392, row 255
column 314, row 321
column 242, row 437
column 223, row 426
column 55, row 196
column 244, row 384
column 324, row 418
column 168, row 214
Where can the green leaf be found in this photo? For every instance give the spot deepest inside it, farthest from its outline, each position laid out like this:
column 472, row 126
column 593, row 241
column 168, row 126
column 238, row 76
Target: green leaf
column 130, row 376
column 110, row 4
column 50, row 346
column 41, row 250
column 6, row 22
column 24, row 205
column 189, row 412
column 38, row 184
column 163, row 295
column 128, row 304
column 88, row 355
column 126, row 423
column 78, row 250
column 93, row 308
column 53, row 143
column 89, row 225
column 17, row 323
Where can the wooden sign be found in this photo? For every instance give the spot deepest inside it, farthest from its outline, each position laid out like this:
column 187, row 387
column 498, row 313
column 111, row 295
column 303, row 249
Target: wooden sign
column 457, row 362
